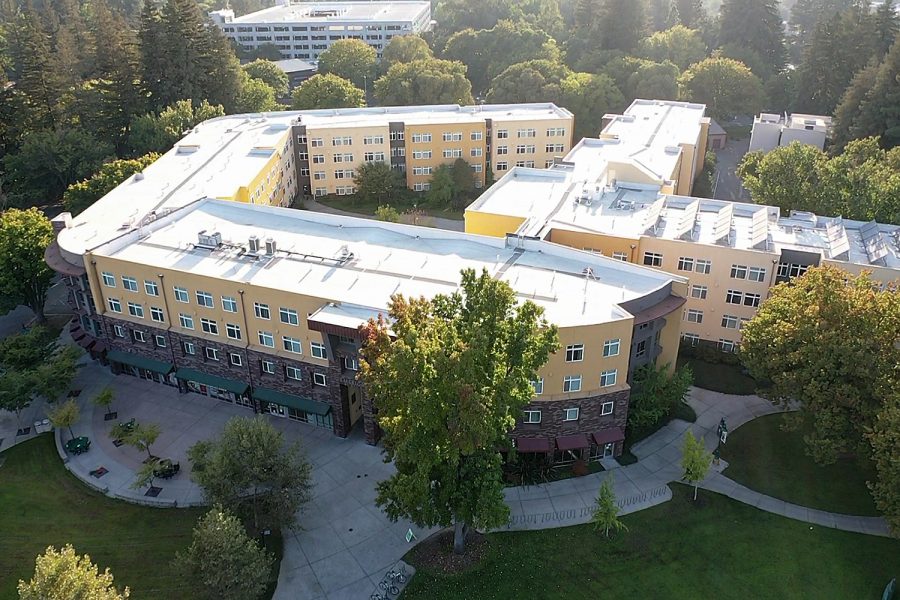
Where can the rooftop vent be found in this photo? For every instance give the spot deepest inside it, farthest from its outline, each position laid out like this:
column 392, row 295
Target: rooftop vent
column 139, row 176
column 254, row 244
column 211, row 240
column 270, row 246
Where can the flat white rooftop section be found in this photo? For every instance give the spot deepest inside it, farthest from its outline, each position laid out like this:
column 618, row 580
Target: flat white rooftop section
column 362, row 262
column 325, row 12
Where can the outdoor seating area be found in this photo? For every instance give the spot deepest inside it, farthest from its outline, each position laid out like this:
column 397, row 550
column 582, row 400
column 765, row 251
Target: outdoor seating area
column 166, row 468
column 78, row 445
column 120, row 430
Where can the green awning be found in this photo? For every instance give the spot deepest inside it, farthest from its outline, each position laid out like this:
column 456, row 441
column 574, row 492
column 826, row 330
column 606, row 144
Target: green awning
column 304, row 404
column 236, row 387
column 141, row 362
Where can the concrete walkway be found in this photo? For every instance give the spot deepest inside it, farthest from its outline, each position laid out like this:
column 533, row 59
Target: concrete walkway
column 427, row 220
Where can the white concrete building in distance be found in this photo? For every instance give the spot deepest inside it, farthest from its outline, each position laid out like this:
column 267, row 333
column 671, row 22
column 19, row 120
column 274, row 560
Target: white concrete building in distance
column 305, row 30
column 771, row 130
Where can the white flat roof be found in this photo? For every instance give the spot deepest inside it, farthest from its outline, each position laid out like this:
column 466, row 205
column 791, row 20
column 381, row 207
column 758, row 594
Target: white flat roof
column 361, row 263
column 321, row 12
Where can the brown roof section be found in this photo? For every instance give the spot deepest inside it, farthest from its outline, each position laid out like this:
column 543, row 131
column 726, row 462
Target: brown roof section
column 54, row 258
column 660, row 309
column 608, row 436
column 532, row 444
column 573, row 442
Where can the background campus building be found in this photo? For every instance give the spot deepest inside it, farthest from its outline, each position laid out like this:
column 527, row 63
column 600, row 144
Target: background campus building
column 305, row 30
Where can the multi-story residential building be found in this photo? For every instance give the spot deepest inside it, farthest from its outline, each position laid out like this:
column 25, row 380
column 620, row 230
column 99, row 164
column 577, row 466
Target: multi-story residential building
column 194, row 275
column 305, row 30
column 771, row 130
column 625, row 195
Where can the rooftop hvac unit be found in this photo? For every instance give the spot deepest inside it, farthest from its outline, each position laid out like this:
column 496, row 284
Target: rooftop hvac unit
column 270, row 246
column 254, row 244
column 213, row 240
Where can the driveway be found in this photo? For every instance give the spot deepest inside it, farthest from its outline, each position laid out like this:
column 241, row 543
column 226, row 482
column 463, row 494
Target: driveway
column 727, row 183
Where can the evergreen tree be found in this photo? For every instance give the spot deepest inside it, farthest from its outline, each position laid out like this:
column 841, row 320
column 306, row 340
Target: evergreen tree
column 885, row 25
column 36, row 80
column 621, row 24
column 756, row 25
column 690, row 12
column 153, row 62
column 879, row 113
column 847, row 112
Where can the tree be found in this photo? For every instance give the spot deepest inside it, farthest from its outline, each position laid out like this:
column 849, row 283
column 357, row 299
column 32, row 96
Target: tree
column 222, row 562
column 886, row 25
column 695, row 461
column 654, row 80
column 451, row 377
column 52, row 378
column 828, row 339
column 143, row 437
column 529, row 81
column 884, row 438
column 655, row 394
column 64, row 574
column 727, row 87
column 350, row 59
column 269, row 73
column 26, row 350
column 756, row 25
column 442, row 192
column 24, row 276
column 105, row 399
column 251, row 472
column 144, row 476
column 679, row 45
column 327, row 91
column 613, row 24
column 40, row 85
column 431, row 81
column 788, row 178
column 879, row 113
column 83, row 194
column 256, row 96
column 387, row 214
column 16, row 391
column 158, row 133
column 606, row 512
column 847, row 112
column 405, row 49
column 377, row 183
column 65, row 415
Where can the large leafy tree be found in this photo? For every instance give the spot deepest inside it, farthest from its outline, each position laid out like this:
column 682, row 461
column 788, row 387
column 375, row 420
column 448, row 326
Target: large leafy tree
column 726, row 86
column 64, row 574
column 256, row 96
column 756, row 25
column 679, row 45
column 351, row 59
column 654, row 80
column 81, row 195
column 250, row 471
column 158, row 133
column 268, row 72
column 378, row 183
column 450, row 376
column 404, row 49
column 788, row 177
column 884, row 438
column 655, row 394
column 24, row 276
column 879, row 112
column 327, row 91
column 431, row 81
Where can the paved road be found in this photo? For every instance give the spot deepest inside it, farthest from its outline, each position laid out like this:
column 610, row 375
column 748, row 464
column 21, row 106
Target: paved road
column 427, row 221
column 728, row 186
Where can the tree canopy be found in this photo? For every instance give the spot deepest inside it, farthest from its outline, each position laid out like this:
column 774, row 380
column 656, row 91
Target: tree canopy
column 451, row 378
column 64, row 574
column 157, row 133
column 432, row 81
column 404, row 49
column 24, row 276
column 757, row 26
column 327, row 91
column 351, row 59
column 81, row 195
column 678, row 45
column 378, row 183
column 268, row 72
column 726, row 86
column 878, row 106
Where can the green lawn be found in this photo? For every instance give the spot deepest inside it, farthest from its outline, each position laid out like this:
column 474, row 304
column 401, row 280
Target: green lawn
column 765, row 458
column 42, row 504
column 722, row 549
column 353, row 204
column 719, row 377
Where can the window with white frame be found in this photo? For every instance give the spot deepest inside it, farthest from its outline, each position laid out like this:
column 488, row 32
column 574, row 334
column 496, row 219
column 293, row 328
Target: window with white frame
column 691, row 338
column 160, row 340
column 531, row 416
column 342, row 140
column 372, row 140
column 752, row 300
column 452, row 152
column 151, row 288
column 526, row 133
column 261, row 311
column 320, row 191
column 229, row 304
column 756, row 273
column 653, row 259
column 267, row 339
column 611, row 347
column 181, row 294
column 345, row 190
column 730, row 321
column 525, row 149
column 235, row 359
column 476, row 136
column 291, row 344
column 318, row 159
column 209, row 326
column 351, row 363
column 726, row 345
column 421, row 154
column 187, row 321
column 502, row 134
column 699, row 292
column 129, row 283
column 703, row 266
column 421, row 138
column 135, row 310
column 640, row 349
column 205, row 299
column 575, row 353
column 572, row 383
column 685, row 263
column 738, row 272
column 477, row 168
column 608, row 378
column 293, row 373
column 373, row 156
column 157, row 314
column 114, row 305
column 421, row 187
column 119, row 331
column 289, row 316
column 422, row 170
column 554, row 148
column 556, row 131
column 319, row 379
column 620, row 256
column 454, row 136
column 694, row 316
column 502, row 150
column 342, row 158
column 502, row 166
column 233, row 331
column 734, row 297
column 398, row 136
column 188, row 348
column 319, row 175
column 525, row 163
column 316, row 143
column 607, row 408
column 211, row 353
column 267, row 366
column 138, row 336
column 570, row 414
column 538, row 385
column 317, row 350
column 109, row 279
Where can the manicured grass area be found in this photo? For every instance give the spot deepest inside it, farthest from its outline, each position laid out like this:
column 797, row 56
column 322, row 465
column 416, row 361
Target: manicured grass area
column 765, row 458
column 352, row 204
column 719, row 377
column 42, row 504
column 718, row 549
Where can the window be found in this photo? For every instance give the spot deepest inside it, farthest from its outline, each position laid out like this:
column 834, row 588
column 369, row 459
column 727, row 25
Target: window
column 791, row 270
column 652, row 259
column 108, row 279
column 694, row 315
column 160, row 340
column 575, row 353
column 129, row 283
column 502, row 150
column 734, row 297
column 752, row 300
column 556, row 131
column 119, row 331
column 554, row 148
column 476, row 151
column 738, row 272
column 289, row 316
column 476, row 136
column 211, row 353
column 685, row 264
column 114, row 305
column 398, row 136
column 730, row 322
column 373, row 156
column 261, row 310
column 608, row 378
column 317, row 350
column 267, row 366
column 235, row 359
column 572, row 383
column 351, row 363
column 477, row 168
column 319, row 379
column 525, row 163
column 525, row 149
column 135, row 310
column 570, row 414
column 452, row 153
column 421, row 187
column 455, row 136
column 342, row 140
column 526, row 133
column 151, row 288
column 291, row 344
column 421, row 154
column 209, row 326
column 181, row 294
column 531, row 416
column 319, row 175
column 233, row 331
column 186, row 321
column 320, row 191
column 205, row 299
column 699, row 292
column 266, row 339
column 342, row 158
column 229, row 304
column 620, row 256
column 157, row 315
column 370, row 140
column 691, row 338
column 318, row 159
column 611, row 347
column 502, row 165
column 293, row 373
column 756, row 274
column 188, row 348
column 502, row 134
column 138, row 336
column 343, row 174
column 538, row 385
column 641, row 349
column 726, row 345
column 419, row 138
column 703, row 267
column 607, row 408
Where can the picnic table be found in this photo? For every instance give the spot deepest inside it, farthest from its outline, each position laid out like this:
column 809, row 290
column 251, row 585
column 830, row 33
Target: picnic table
column 166, row 469
column 78, row 445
